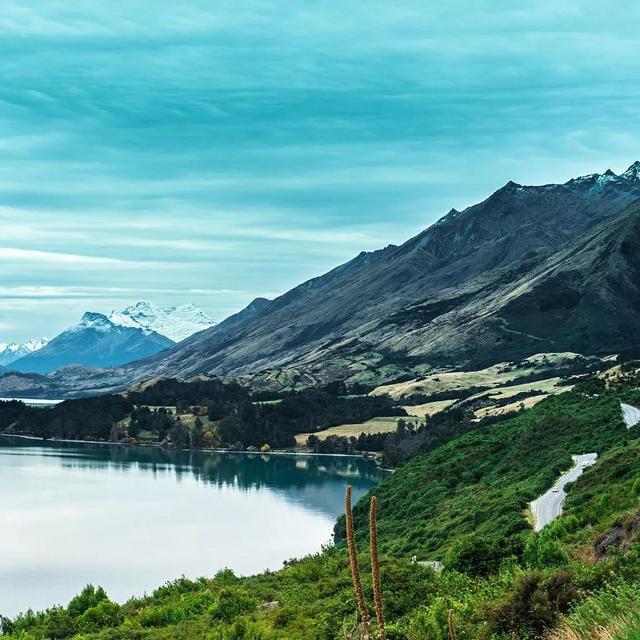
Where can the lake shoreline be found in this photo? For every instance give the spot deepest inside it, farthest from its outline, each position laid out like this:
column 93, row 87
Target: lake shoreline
column 158, row 446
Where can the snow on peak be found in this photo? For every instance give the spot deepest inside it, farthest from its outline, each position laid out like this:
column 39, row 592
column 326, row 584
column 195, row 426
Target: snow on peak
column 175, row 323
column 633, row 172
column 12, row 351
column 93, row 320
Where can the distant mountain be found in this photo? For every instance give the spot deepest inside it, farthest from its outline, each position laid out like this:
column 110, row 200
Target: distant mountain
column 531, row 269
column 95, row 342
column 176, row 323
column 11, row 352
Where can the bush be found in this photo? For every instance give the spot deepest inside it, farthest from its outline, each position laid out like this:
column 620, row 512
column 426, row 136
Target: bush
column 87, row 598
column 231, row 603
column 103, row 615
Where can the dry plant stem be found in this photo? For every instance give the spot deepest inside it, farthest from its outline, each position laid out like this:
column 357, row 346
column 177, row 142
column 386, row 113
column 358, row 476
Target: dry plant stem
column 375, row 567
column 355, row 569
column 452, row 629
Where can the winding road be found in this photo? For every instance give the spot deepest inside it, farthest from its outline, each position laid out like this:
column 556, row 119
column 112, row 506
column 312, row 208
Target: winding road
column 549, row 506
column 630, row 414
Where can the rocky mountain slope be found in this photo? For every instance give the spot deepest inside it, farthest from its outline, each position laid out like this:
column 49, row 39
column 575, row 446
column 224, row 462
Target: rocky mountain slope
column 531, row 269
column 94, row 342
column 11, row 352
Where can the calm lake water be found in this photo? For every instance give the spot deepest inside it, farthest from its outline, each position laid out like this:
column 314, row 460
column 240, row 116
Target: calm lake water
column 131, row 518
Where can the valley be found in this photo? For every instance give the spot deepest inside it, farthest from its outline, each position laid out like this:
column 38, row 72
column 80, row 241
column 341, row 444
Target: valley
column 460, row 500
column 485, row 376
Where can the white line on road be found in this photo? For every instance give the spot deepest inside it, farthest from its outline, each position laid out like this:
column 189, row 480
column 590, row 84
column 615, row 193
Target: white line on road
column 549, row 506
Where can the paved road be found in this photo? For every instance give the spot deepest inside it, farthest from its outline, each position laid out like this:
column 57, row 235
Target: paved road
column 630, row 414
column 549, row 506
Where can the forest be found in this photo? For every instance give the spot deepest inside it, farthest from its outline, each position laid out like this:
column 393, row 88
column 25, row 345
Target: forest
column 225, row 413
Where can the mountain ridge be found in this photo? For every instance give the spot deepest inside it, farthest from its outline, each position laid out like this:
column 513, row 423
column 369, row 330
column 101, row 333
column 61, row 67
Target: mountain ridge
column 10, row 352
column 439, row 300
column 515, row 225
column 94, row 341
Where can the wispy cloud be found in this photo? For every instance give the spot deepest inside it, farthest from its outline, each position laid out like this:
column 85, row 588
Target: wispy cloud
column 208, row 151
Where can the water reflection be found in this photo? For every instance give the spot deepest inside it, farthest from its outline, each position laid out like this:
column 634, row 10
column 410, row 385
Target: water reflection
column 297, row 477
column 130, row 518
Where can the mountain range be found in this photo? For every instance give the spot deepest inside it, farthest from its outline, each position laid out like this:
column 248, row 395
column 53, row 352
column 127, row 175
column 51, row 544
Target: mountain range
column 530, row 269
column 12, row 351
column 175, row 323
column 99, row 340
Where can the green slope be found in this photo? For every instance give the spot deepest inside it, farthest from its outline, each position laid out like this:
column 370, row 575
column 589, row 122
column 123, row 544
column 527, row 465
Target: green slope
column 483, row 481
column 463, row 502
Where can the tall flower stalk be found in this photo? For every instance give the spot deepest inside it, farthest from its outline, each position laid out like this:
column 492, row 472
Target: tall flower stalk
column 452, row 629
column 375, row 567
column 355, row 568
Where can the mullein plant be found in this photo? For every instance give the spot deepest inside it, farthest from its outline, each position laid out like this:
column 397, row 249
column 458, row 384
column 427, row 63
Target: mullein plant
column 452, row 629
column 365, row 622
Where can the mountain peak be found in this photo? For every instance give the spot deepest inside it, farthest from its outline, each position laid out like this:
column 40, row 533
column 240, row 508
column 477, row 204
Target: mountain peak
column 176, row 322
column 11, row 352
column 94, row 320
column 633, row 172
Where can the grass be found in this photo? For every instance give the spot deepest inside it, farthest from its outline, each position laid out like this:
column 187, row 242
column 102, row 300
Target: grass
column 610, row 614
column 497, row 410
column 428, row 408
column 499, row 375
column 375, row 425
column 378, row 425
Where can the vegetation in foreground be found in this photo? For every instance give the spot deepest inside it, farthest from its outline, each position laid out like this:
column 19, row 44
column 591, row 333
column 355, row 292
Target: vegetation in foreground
column 463, row 502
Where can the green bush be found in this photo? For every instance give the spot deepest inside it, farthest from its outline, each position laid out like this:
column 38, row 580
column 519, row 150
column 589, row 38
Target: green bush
column 231, row 603
column 103, row 615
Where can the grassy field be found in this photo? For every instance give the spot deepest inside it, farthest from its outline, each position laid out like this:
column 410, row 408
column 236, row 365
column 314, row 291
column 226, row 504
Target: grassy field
column 500, row 375
column 375, row 425
column 427, row 409
column 495, row 410
column 378, row 425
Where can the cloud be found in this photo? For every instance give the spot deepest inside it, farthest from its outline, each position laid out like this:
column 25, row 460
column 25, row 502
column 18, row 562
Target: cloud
column 162, row 149
column 69, row 259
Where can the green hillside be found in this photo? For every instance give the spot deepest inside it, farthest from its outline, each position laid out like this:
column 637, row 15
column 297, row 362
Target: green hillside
column 465, row 503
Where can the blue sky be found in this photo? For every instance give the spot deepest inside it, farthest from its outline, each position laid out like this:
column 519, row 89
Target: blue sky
column 213, row 152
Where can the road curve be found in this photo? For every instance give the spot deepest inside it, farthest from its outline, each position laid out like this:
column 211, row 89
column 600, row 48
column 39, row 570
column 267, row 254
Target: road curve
column 630, row 414
column 549, row 506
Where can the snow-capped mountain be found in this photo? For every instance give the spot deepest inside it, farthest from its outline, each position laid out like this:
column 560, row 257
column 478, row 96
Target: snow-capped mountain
column 176, row 323
column 11, row 352
column 95, row 341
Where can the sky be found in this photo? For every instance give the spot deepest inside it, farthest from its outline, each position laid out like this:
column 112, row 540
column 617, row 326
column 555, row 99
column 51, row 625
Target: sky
column 213, row 152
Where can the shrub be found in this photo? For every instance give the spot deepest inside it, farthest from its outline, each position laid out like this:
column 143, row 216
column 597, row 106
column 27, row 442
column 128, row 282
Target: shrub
column 103, row 615
column 231, row 603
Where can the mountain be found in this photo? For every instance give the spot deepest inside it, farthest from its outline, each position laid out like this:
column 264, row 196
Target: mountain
column 175, row 323
column 531, row 269
column 94, row 342
column 11, row 352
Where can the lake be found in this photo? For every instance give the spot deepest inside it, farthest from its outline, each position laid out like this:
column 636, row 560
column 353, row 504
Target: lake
column 131, row 518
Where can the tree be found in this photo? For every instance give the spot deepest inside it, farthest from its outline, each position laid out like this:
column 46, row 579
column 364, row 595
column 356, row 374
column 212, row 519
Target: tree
column 179, row 435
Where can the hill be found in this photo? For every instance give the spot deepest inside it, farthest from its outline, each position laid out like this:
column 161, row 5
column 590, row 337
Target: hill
column 464, row 502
